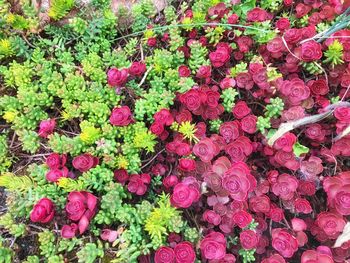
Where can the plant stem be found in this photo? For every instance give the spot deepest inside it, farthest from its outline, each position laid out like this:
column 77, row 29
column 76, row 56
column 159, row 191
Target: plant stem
column 195, row 24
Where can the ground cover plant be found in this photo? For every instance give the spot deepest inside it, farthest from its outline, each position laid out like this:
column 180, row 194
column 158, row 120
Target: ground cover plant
column 175, row 131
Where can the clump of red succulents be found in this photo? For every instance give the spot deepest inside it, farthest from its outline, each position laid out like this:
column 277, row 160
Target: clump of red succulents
column 233, row 176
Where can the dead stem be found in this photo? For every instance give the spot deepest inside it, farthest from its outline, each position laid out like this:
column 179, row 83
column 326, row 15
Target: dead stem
column 141, row 50
column 288, row 126
column 145, row 76
column 154, row 157
column 13, row 139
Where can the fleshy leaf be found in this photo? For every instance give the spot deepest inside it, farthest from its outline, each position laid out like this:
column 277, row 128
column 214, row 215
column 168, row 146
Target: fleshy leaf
column 299, row 149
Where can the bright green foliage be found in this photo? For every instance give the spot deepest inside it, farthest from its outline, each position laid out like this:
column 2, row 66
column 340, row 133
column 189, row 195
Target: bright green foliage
column 242, row 9
column 68, row 245
column 21, row 202
column 111, row 204
column 18, row 75
column 69, row 185
column 163, row 60
column 79, row 25
column 303, row 21
column 200, row 9
column 5, row 159
column 6, row 254
column 247, row 255
column 6, row 48
column 185, row 84
column 273, row 110
column 47, row 243
column 17, row 22
column 273, row 74
column 214, row 34
column 164, row 81
column 238, row 68
column 90, row 252
column 228, row 97
column 264, row 34
column 335, row 99
column 198, row 56
column 321, row 27
column 152, row 102
column 299, row 149
column 15, row 229
column 147, row 7
column 215, row 125
column 142, row 12
column 4, row 7
column 312, row 67
column 188, row 130
column 89, row 134
column 50, row 247
column 140, row 23
column 92, row 68
column 272, row 5
column 176, row 40
column 191, row 234
column 27, row 19
column 169, row 13
column 30, row 141
column 60, row 8
column 130, row 47
column 64, row 144
column 162, row 219
column 114, row 210
column 252, row 225
column 130, row 253
column 334, row 53
column 96, row 178
column 187, row 23
column 145, row 140
column 144, row 226
column 263, row 123
column 15, row 183
column 32, row 259
column 136, row 138
column 55, row 259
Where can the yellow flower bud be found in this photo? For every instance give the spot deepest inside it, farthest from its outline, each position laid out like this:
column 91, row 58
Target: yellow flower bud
column 9, row 116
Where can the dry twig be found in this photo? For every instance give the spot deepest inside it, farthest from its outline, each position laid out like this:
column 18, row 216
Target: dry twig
column 288, row 126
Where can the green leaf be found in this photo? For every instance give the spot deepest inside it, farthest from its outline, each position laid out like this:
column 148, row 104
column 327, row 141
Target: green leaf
column 299, row 149
column 242, row 9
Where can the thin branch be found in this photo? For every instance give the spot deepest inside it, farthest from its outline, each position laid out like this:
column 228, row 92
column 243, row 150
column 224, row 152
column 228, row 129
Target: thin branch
column 13, row 242
column 141, row 50
column 344, row 133
column 154, row 157
column 324, row 72
column 288, row 126
column 26, row 40
column 194, row 24
column 145, row 76
column 286, row 45
column 13, row 139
